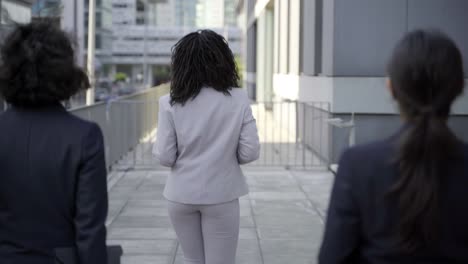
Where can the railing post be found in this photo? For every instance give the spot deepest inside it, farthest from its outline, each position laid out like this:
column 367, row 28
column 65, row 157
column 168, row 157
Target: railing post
column 135, row 124
column 297, row 122
column 108, row 130
column 303, row 135
column 330, row 137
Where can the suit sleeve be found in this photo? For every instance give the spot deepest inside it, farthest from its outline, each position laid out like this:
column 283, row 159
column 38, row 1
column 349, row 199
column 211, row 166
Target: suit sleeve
column 248, row 149
column 91, row 201
column 342, row 230
column 165, row 148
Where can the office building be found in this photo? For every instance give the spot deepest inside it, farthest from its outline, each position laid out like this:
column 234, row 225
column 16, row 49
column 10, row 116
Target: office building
column 138, row 45
column 13, row 11
column 336, row 51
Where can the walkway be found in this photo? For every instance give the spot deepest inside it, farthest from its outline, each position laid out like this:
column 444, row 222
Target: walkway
column 281, row 219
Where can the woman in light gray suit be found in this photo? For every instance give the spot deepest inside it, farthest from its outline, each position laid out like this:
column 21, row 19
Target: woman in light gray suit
column 206, row 131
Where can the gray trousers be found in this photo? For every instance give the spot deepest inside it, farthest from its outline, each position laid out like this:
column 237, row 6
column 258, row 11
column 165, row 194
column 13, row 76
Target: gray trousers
column 208, row 234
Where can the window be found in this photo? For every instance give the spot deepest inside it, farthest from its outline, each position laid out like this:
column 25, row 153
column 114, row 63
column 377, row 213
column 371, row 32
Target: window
column 98, row 41
column 120, row 5
column 140, row 21
column 98, row 20
column 98, row 3
column 140, row 6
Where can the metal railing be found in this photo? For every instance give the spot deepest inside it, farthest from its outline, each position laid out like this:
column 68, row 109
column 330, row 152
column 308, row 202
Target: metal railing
column 125, row 125
column 293, row 134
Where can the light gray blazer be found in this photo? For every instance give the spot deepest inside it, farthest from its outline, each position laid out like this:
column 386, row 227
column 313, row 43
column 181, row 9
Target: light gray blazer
column 204, row 142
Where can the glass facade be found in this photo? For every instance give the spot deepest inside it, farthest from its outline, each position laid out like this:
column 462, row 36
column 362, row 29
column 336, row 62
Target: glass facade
column 15, row 12
column 186, row 13
column 12, row 12
column 104, row 26
column 230, row 16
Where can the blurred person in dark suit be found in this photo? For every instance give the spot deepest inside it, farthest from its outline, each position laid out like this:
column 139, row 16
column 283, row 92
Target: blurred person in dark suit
column 53, row 193
column 404, row 199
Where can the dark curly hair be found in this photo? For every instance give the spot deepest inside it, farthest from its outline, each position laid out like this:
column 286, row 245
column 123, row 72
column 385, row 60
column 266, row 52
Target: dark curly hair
column 38, row 66
column 201, row 58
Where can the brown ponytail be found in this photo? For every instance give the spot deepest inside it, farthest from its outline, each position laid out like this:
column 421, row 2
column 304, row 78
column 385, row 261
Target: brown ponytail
column 427, row 75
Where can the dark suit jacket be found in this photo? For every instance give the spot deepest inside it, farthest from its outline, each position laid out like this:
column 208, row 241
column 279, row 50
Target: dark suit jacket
column 361, row 224
column 53, row 191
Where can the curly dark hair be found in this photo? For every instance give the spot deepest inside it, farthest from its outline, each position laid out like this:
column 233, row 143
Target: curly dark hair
column 38, row 66
column 201, row 58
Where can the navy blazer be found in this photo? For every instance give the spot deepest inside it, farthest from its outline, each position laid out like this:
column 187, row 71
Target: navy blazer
column 53, row 186
column 362, row 220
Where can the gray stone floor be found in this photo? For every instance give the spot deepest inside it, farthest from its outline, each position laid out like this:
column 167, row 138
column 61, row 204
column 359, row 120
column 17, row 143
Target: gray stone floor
column 281, row 219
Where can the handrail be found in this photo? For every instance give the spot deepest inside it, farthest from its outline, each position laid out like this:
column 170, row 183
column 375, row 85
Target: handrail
column 112, row 120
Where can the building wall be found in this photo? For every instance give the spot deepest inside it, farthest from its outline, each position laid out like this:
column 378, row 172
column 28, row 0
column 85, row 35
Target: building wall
column 186, row 13
column 123, row 12
column 104, row 31
column 18, row 11
column 13, row 11
column 373, row 127
column 336, row 51
column 264, row 76
column 363, row 43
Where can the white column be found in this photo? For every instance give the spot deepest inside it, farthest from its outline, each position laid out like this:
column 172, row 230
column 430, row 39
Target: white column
column 284, row 40
column 112, row 71
column 261, row 56
column 276, row 33
column 91, row 50
column 150, row 76
column 269, row 54
column 294, row 36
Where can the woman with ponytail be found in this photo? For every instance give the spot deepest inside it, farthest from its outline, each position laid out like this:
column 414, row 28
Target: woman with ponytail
column 405, row 199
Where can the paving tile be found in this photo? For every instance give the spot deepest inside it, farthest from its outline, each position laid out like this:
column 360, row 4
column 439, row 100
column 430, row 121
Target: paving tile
column 301, row 248
column 286, row 221
column 146, row 247
column 282, row 259
column 141, row 221
column 146, row 195
column 247, row 233
column 245, row 210
column 248, row 252
column 285, row 209
column 146, row 259
column 115, row 207
column 278, row 196
column 273, row 187
column 140, row 233
column 144, row 211
column 148, row 203
column 247, row 221
column 151, row 188
column 312, row 231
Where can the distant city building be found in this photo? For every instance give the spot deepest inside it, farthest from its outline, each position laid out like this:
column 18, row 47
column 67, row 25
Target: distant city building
column 216, row 13
column 145, row 31
column 185, row 13
column 13, row 11
column 72, row 15
column 104, row 34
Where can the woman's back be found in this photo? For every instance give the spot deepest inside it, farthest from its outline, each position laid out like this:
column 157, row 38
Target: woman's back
column 404, row 200
column 39, row 161
column 365, row 218
column 53, row 193
column 208, row 129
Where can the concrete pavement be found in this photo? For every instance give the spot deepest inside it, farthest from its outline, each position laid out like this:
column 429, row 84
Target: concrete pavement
column 281, row 219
